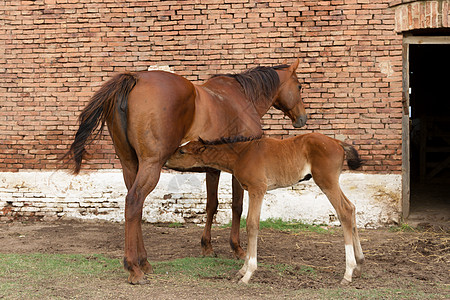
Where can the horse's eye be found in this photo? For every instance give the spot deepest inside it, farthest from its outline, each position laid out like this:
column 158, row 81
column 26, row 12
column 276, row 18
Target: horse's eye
column 182, row 151
column 299, row 87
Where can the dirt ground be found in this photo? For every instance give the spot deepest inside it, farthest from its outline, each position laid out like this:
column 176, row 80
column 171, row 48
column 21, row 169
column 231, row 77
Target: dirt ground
column 394, row 260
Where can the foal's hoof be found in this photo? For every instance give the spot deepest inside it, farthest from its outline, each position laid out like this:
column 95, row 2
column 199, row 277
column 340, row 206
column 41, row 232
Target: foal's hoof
column 357, row 272
column 345, row 281
column 243, row 282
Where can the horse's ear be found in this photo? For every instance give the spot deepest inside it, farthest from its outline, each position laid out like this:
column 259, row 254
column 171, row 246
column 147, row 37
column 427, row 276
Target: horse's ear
column 294, row 65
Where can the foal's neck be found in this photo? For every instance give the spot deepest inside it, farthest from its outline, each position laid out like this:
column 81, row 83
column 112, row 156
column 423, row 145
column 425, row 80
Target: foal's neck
column 223, row 157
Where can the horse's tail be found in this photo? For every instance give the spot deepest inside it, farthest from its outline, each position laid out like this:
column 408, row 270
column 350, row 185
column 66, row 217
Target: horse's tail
column 353, row 159
column 100, row 108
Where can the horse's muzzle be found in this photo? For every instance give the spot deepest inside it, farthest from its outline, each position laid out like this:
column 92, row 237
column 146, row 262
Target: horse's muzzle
column 300, row 122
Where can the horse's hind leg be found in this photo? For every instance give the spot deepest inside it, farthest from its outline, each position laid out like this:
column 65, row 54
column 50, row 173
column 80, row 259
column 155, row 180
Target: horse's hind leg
column 238, row 197
column 135, row 260
column 212, row 184
column 346, row 213
column 357, row 246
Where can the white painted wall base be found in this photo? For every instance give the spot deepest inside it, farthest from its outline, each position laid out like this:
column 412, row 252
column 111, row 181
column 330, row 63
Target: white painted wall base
column 181, row 197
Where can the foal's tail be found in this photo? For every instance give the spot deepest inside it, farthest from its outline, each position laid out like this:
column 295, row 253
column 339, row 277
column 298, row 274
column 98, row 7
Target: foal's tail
column 101, row 108
column 353, row 159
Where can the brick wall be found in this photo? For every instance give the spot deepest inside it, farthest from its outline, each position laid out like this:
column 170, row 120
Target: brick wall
column 55, row 53
column 411, row 15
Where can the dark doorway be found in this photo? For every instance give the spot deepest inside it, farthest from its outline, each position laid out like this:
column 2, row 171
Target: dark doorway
column 429, row 73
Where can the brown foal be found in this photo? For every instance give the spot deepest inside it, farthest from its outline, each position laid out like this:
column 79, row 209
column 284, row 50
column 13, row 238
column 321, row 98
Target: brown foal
column 264, row 164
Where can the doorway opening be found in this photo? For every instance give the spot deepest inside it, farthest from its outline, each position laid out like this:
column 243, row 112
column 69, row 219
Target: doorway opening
column 429, row 113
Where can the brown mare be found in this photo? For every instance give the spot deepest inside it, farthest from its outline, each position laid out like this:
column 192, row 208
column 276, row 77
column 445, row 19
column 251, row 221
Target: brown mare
column 264, row 164
column 149, row 114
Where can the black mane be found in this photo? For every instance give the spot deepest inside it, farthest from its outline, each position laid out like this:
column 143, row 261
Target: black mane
column 229, row 140
column 258, row 83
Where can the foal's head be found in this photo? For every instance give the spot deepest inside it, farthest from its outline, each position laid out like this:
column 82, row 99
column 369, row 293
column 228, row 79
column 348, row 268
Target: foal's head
column 288, row 98
column 187, row 156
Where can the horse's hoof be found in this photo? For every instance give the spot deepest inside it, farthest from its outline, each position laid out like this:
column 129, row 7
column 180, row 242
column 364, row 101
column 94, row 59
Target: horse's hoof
column 240, row 254
column 146, row 267
column 207, row 250
column 138, row 281
column 209, row 253
column 345, row 282
column 243, row 282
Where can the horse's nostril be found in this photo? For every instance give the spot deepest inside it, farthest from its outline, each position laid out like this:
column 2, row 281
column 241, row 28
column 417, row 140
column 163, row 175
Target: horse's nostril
column 300, row 122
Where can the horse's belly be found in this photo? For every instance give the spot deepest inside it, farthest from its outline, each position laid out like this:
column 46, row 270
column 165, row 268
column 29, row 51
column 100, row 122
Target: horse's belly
column 288, row 177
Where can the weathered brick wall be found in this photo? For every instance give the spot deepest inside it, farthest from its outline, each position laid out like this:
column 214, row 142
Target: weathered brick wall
column 411, row 15
column 55, row 53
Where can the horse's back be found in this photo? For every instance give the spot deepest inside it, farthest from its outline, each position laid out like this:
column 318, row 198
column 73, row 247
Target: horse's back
column 160, row 110
column 157, row 84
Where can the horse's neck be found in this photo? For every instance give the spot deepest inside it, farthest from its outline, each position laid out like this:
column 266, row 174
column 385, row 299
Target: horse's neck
column 215, row 85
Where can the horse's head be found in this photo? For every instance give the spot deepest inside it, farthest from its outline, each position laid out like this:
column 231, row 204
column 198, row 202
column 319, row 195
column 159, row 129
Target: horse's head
column 288, row 98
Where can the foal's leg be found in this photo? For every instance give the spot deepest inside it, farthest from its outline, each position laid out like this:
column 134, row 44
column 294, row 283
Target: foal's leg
column 135, row 260
column 346, row 213
column 254, row 211
column 238, row 197
column 212, row 184
column 356, row 245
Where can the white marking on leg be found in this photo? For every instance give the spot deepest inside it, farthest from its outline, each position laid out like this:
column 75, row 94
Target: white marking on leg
column 243, row 270
column 350, row 262
column 251, row 268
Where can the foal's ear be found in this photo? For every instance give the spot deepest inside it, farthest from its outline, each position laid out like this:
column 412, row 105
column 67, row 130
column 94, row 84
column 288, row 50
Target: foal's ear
column 294, row 65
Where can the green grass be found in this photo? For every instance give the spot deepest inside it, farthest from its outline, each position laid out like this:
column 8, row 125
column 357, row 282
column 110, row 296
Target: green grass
column 291, row 226
column 403, row 227
column 372, row 294
column 197, row 267
column 54, row 265
column 26, row 275
column 176, row 225
column 61, row 276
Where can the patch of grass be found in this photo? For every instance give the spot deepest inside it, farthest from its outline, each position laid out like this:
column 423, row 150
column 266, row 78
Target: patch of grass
column 291, row 226
column 176, row 225
column 403, row 227
column 197, row 267
column 289, row 269
column 24, row 275
column 375, row 294
column 63, row 276
column 208, row 267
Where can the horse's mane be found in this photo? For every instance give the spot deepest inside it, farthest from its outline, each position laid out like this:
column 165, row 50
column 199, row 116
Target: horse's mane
column 229, row 140
column 258, row 83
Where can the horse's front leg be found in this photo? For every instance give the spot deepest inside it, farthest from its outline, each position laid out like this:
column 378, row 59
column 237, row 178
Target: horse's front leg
column 256, row 196
column 238, row 197
column 212, row 184
column 135, row 259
